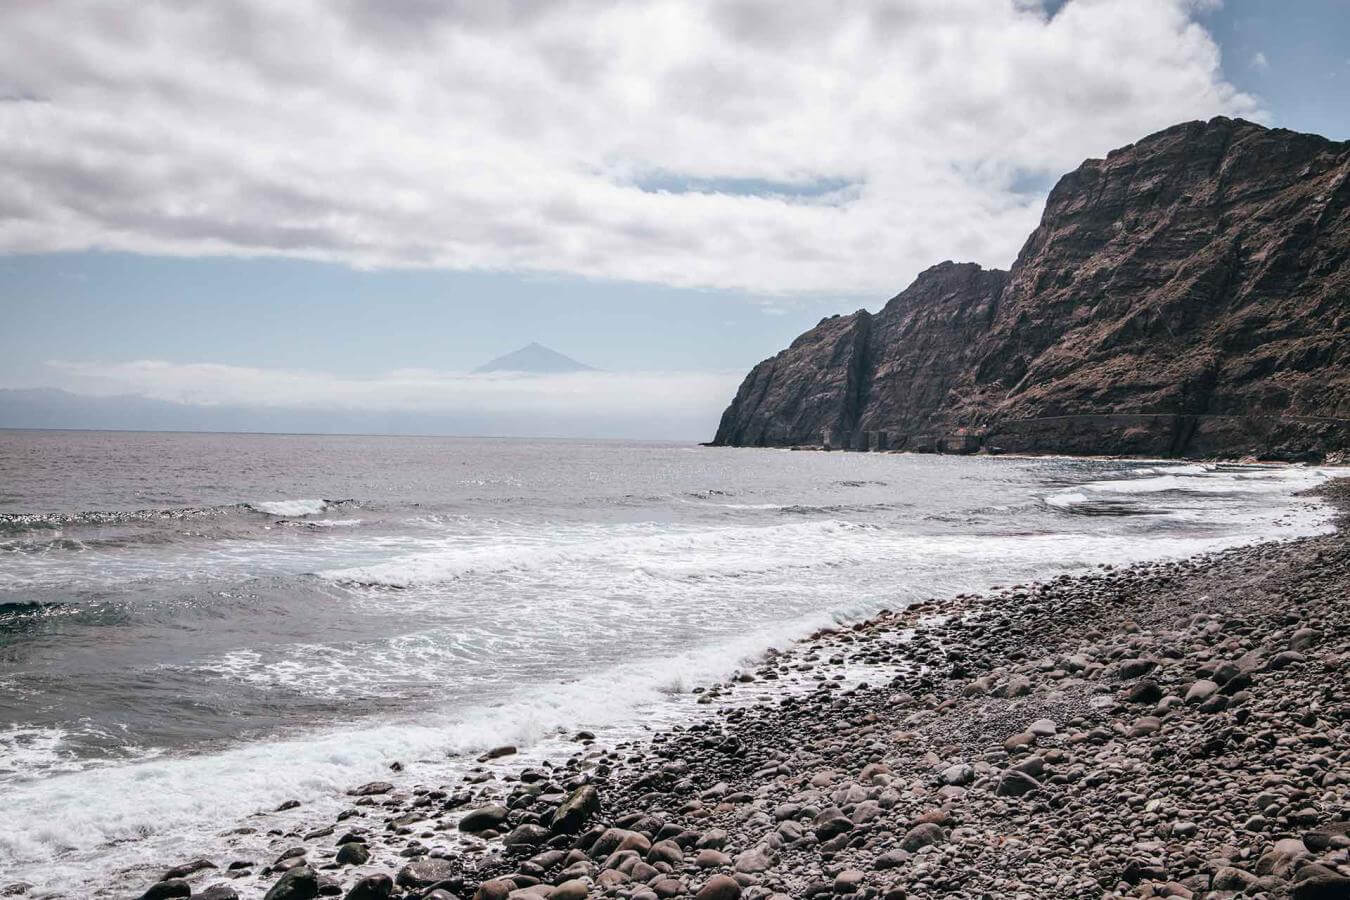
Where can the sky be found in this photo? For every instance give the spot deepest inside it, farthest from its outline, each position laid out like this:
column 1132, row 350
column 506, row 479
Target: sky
column 348, row 204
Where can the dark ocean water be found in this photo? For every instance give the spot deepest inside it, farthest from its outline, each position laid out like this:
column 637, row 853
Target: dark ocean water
column 196, row 626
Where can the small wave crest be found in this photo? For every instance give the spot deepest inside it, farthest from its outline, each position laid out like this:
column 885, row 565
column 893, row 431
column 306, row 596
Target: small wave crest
column 16, row 524
column 289, row 508
column 20, row 522
column 1183, row 480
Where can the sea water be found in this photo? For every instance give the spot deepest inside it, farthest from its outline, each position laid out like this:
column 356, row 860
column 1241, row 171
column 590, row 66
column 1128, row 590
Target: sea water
column 196, row 627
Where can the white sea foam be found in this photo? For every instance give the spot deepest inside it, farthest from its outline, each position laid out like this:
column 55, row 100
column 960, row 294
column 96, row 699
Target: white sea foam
column 1066, row 499
column 1213, row 484
column 1190, row 469
column 290, row 508
column 1197, row 479
column 574, row 609
column 632, row 545
column 26, row 750
column 161, row 805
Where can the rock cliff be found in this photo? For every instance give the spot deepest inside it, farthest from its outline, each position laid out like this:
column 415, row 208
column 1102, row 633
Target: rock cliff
column 1189, row 295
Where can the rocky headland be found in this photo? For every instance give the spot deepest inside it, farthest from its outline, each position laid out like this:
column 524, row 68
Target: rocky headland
column 1177, row 729
column 1188, row 295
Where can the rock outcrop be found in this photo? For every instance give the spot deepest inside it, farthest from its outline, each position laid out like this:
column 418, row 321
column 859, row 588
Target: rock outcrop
column 1189, row 295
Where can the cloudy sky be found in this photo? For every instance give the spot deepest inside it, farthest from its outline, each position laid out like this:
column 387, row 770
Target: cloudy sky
column 347, row 203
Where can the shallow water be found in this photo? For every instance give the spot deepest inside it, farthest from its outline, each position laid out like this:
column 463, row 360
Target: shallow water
column 194, row 627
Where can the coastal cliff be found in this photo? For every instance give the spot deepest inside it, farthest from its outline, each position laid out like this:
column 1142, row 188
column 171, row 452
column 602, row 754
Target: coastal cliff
column 1189, row 295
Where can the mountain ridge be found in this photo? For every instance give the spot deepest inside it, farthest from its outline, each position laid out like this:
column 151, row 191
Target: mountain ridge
column 1186, row 295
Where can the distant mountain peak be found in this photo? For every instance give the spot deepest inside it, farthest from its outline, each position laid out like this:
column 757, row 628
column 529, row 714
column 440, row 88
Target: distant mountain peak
column 536, row 359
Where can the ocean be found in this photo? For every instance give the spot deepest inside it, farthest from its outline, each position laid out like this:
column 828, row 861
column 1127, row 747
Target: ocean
column 196, row 627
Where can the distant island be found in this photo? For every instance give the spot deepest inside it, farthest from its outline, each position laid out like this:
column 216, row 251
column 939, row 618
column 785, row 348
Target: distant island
column 55, row 408
column 1189, row 295
column 534, row 359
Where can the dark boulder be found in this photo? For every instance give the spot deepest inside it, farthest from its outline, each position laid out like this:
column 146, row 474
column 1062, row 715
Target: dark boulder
column 171, row 887
column 576, row 810
column 353, row 853
column 218, row 892
column 424, row 872
column 483, row 818
column 372, row 887
column 298, row 884
column 188, row 868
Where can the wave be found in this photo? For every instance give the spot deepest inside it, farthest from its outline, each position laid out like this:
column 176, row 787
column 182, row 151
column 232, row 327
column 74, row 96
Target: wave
column 1194, row 484
column 290, row 508
column 20, row 615
column 634, row 551
column 30, row 533
column 18, row 522
column 1193, row 469
column 321, row 523
column 801, row 509
column 1199, row 479
column 59, row 520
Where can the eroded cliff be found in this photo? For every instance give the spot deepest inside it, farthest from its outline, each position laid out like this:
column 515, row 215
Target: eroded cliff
column 1189, row 295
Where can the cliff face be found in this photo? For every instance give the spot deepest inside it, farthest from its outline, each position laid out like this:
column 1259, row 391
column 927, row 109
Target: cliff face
column 1187, row 295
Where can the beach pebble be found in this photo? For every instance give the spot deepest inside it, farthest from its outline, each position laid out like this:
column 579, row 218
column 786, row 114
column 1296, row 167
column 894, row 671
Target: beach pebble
column 424, row 872
column 921, row 836
column 188, row 868
column 372, row 887
column 483, row 818
column 298, row 884
column 719, row 887
column 217, row 892
column 169, row 887
column 1201, row 690
column 709, row 858
column 1014, row 784
column 573, row 812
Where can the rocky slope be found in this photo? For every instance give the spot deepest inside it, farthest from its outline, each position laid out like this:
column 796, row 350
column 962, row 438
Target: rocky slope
column 1187, row 295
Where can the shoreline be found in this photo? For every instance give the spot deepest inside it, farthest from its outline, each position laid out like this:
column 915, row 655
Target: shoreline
column 914, row 714
column 1331, row 459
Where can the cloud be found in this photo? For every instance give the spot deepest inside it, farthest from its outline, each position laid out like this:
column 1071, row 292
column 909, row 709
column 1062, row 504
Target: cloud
column 740, row 144
column 1259, row 61
column 636, row 404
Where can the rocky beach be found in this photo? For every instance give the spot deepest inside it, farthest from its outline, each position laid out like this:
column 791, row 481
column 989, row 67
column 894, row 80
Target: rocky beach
column 1175, row 729
column 922, row 470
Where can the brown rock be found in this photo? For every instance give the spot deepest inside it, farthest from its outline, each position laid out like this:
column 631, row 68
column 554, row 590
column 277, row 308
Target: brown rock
column 719, row 887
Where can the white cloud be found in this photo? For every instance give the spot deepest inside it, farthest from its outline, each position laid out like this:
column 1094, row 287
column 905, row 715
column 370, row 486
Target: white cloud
column 520, row 134
column 1259, row 61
